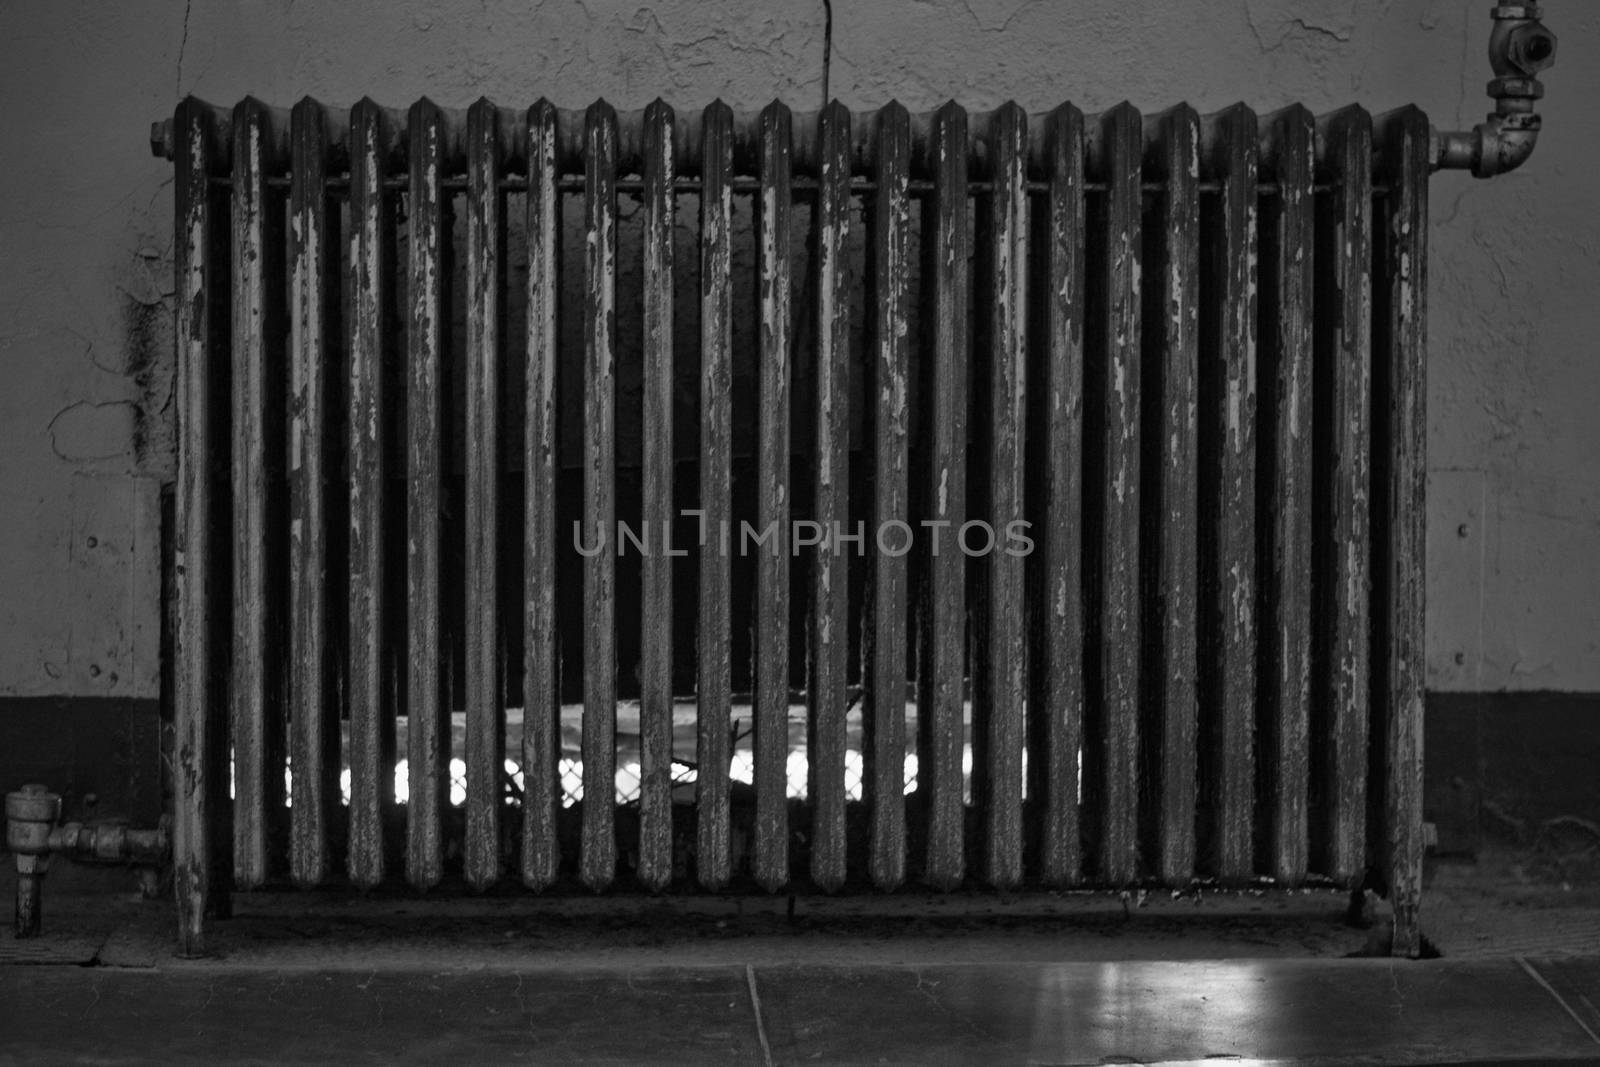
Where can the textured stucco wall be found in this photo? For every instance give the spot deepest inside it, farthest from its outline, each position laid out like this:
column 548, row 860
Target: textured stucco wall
column 85, row 246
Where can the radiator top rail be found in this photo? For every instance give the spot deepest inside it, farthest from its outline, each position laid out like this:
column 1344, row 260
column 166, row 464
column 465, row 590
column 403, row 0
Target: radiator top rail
column 688, row 140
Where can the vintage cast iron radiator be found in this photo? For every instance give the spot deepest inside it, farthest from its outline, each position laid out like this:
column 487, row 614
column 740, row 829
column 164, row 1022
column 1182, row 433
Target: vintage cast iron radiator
column 1187, row 350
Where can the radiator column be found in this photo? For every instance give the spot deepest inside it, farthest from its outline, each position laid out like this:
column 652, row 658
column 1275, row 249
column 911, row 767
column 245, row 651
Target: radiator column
column 427, row 705
column 1055, row 502
column 888, row 418
column 829, row 643
column 542, row 545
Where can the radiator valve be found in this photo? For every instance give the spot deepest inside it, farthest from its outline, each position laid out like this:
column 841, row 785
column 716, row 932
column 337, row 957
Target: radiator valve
column 1520, row 48
column 33, row 837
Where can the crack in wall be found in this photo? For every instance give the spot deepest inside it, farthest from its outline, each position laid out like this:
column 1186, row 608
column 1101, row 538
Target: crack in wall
column 827, row 47
column 183, row 45
column 89, row 431
column 1005, row 23
column 1301, row 26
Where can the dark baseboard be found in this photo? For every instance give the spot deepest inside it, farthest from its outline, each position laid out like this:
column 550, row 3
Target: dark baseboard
column 1501, row 766
column 102, row 754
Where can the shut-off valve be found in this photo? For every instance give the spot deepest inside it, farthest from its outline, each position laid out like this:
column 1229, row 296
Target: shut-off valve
column 33, row 838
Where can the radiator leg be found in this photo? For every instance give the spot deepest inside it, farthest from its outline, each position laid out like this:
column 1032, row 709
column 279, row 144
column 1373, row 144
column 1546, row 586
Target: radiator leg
column 1407, row 941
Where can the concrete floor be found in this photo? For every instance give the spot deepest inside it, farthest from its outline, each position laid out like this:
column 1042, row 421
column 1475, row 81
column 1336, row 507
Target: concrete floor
column 1323, row 1011
column 326, row 977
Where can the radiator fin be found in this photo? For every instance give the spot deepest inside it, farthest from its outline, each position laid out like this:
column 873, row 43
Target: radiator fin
column 599, row 858
column 485, row 692
column 1228, row 549
column 1000, row 671
column 656, row 637
column 313, row 587
column 258, row 429
column 1113, row 494
column 714, row 688
column 830, row 469
column 1284, row 494
column 541, row 719
column 773, row 374
column 1055, row 577
column 1401, row 365
column 943, row 631
column 372, row 394
column 202, row 816
column 427, row 710
column 1171, row 342
column 885, row 640
column 1344, row 357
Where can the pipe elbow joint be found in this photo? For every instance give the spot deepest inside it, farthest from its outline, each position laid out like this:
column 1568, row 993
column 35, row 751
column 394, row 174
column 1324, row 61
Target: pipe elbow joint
column 1504, row 144
column 1496, row 146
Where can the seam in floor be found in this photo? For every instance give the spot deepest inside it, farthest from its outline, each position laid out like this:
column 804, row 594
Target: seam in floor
column 1533, row 972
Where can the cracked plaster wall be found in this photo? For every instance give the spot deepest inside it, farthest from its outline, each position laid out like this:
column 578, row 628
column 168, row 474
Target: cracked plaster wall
column 85, row 231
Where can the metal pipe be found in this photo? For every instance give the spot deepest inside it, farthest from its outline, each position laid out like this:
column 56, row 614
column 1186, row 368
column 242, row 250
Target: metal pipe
column 31, row 813
column 1520, row 47
column 33, row 837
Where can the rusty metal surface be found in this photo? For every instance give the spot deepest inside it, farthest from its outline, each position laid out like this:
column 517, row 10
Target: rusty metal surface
column 1344, row 384
column 1172, row 327
column 541, row 741
column 716, row 444
column 655, row 615
column 599, row 857
column 829, row 645
column 1284, row 491
column 1400, row 358
column 688, row 156
column 887, row 402
column 943, row 638
column 1117, row 495
column 371, row 396
column 427, row 741
column 1004, row 433
column 774, row 372
column 31, row 813
column 1229, row 568
column 1100, row 350
column 313, row 311
column 201, row 814
column 1055, row 577
column 256, row 683
column 485, row 692
column 33, row 839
